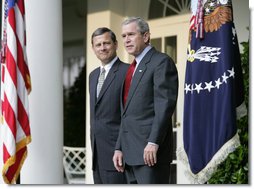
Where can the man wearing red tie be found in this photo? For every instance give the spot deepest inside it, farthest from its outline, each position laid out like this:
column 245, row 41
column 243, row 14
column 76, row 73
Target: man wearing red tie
column 149, row 95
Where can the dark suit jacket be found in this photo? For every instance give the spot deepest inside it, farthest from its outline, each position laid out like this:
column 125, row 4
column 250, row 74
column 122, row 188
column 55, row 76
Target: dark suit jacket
column 149, row 108
column 105, row 114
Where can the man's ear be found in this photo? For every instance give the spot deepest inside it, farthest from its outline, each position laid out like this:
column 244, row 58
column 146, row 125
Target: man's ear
column 146, row 37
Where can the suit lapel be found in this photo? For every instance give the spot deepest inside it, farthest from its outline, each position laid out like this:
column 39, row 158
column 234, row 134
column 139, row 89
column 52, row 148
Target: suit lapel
column 110, row 77
column 94, row 82
column 138, row 75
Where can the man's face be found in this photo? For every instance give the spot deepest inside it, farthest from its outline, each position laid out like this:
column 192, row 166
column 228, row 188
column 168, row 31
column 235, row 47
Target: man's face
column 104, row 48
column 134, row 41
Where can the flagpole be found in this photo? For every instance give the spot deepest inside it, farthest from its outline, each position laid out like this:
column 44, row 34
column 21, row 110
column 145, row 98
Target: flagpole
column 18, row 179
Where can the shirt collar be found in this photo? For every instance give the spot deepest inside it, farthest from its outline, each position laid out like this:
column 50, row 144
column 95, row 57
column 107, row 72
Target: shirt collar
column 109, row 65
column 141, row 55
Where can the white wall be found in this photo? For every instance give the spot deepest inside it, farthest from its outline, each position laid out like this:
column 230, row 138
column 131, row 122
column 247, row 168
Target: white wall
column 241, row 15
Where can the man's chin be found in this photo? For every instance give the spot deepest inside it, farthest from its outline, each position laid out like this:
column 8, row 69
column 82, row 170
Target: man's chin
column 130, row 52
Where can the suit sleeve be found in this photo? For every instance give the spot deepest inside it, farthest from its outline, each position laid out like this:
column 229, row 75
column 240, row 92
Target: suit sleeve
column 165, row 97
column 118, row 144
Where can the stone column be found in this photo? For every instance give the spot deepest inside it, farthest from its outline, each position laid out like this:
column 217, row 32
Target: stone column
column 44, row 163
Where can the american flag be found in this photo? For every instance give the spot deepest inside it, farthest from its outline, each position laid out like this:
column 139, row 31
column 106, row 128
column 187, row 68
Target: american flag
column 213, row 90
column 15, row 87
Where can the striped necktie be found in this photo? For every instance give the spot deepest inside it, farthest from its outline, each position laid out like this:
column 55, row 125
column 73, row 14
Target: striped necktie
column 101, row 81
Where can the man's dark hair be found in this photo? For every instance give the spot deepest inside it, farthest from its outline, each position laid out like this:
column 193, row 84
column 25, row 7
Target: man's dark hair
column 100, row 31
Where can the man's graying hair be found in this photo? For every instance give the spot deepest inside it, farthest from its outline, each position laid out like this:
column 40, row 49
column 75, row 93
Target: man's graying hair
column 143, row 26
column 100, row 31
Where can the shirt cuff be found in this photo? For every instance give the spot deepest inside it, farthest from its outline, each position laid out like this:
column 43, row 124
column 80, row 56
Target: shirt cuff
column 153, row 144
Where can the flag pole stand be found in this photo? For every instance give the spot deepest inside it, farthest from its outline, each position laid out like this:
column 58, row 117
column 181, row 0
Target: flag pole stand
column 18, row 180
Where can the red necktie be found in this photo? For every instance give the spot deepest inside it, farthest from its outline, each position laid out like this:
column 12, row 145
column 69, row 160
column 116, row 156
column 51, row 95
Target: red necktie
column 127, row 81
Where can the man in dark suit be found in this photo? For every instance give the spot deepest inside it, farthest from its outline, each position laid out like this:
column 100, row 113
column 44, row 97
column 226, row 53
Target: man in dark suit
column 144, row 145
column 105, row 88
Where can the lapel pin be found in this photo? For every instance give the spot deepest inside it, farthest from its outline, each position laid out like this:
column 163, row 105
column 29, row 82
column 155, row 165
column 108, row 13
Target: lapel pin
column 140, row 70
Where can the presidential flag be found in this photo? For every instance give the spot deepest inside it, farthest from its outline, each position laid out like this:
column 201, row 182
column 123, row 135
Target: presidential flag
column 213, row 89
column 15, row 87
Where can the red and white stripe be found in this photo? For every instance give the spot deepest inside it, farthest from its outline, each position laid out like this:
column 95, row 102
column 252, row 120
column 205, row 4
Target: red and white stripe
column 192, row 22
column 14, row 94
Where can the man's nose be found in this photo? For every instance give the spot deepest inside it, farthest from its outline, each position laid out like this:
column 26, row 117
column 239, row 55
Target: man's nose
column 103, row 47
column 127, row 39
